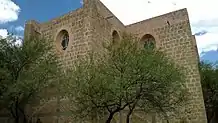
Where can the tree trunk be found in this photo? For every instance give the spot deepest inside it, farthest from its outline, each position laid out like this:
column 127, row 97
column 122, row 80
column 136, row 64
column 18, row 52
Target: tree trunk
column 214, row 118
column 24, row 119
column 154, row 118
column 22, row 115
column 16, row 112
column 130, row 111
column 128, row 116
column 16, row 119
column 110, row 117
column 209, row 116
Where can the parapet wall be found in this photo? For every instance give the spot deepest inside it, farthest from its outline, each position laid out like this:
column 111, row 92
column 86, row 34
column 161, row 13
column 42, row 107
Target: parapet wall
column 148, row 26
column 109, row 16
column 32, row 28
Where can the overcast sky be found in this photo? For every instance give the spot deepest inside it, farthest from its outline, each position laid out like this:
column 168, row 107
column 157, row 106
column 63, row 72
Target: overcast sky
column 202, row 13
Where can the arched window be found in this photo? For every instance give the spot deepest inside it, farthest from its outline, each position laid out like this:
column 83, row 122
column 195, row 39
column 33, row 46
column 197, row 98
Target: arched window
column 148, row 41
column 115, row 36
column 63, row 40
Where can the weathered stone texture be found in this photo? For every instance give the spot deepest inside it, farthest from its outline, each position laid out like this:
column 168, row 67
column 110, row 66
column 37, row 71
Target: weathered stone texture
column 101, row 28
column 93, row 24
column 109, row 16
column 176, row 40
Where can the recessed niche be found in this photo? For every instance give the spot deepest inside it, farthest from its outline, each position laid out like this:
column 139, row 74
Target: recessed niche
column 115, row 37
column 148, row 41
column 62, row 40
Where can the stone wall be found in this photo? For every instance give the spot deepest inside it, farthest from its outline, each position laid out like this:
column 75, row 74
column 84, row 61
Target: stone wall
column 102, row 28
column 172, row 34
column 74, row 24
column 109, row 16
column 32, row 28
column 53, row 108
column 88, row 27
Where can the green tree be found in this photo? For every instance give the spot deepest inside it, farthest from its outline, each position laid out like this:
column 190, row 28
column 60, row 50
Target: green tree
column 124, row 76
column 209, row 81
column 25, row 70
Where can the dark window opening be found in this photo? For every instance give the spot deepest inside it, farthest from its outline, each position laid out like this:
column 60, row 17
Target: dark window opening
column 148, row 41
column 149, row 45
column 115, row 37
column 65, row 41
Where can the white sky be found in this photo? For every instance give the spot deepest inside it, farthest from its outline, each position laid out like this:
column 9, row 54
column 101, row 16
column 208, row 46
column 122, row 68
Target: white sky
column 8, row 12
column 3, row 33
column 203, row 15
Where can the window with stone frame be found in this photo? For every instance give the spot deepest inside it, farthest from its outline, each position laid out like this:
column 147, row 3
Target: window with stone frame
column 62, row 40
column 115, row 37
column 148, row 41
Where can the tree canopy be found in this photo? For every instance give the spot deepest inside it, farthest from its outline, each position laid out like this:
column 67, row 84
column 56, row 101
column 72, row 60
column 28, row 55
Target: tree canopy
column 25, row 70
column 125, row 76
column 209, row 81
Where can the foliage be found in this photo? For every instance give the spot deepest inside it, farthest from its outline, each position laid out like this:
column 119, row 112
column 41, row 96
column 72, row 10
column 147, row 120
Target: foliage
column 24, row 71
column 124, row 76
column 209, row 81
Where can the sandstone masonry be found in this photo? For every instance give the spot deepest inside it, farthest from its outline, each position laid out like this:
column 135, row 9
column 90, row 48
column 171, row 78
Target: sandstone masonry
column 89, row 26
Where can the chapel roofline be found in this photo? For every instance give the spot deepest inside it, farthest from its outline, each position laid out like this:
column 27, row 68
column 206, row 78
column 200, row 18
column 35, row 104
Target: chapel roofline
column 159, row 16
column 112, row 16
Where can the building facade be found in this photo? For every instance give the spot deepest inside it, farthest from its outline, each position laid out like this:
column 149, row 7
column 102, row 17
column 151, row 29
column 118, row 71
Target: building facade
column 82, row 30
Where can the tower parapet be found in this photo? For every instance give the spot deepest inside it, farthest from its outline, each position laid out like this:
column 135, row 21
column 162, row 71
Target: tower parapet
column 32, row 28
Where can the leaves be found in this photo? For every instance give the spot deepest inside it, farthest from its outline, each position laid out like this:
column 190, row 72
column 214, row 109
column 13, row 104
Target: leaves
column 124, row 75
column 25, row 70
column 209, row 82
